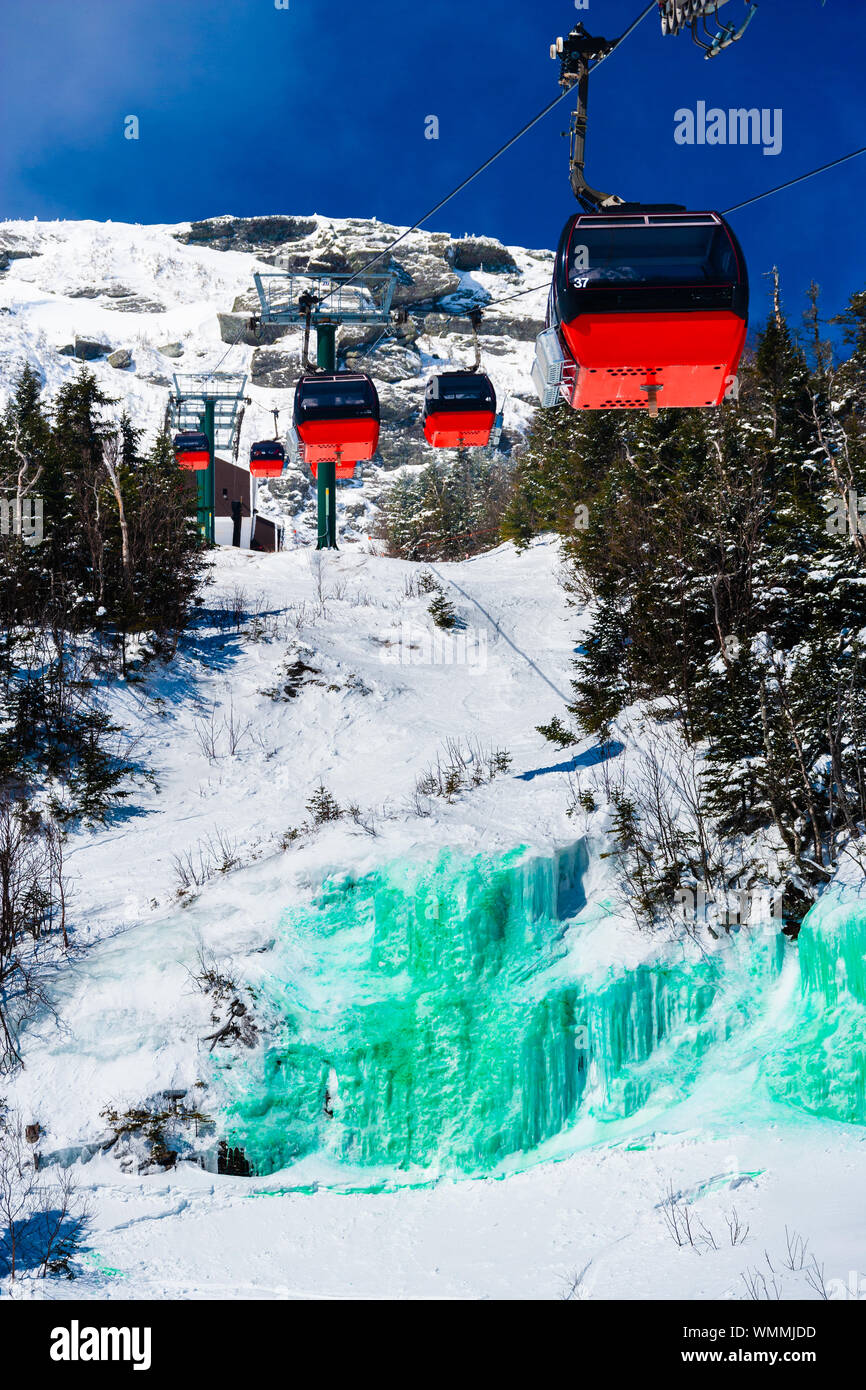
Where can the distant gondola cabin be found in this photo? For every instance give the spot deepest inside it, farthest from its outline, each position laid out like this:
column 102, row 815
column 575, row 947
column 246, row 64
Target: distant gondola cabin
column 459, row 410
column 336, row 417
column 192, row 450
column 267, row 459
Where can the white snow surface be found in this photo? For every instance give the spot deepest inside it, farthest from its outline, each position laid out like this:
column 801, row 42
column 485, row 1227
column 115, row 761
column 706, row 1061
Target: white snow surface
column 128, row 1022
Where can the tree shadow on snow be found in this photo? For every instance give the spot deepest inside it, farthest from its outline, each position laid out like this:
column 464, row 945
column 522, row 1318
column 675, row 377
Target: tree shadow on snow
column 600, row 753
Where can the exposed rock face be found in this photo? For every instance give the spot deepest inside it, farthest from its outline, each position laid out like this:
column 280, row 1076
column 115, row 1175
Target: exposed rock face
column 396, row 407
column 247, row 233
column 429, row 278
column 120, row 359
column 135, row 304
column 274, row 369
column 393, row 362
column 235, row 328
column 481, row 253
column 85, row 349
column 11, row 250
column 172, row 349
column 526, row 330
column 122, row 300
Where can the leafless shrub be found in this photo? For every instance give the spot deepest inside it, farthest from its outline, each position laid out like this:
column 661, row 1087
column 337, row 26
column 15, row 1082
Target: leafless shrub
column 795, row 1252
column 207, row 734
column 216, row 854
column 815, row 1279
column 757, row 1288
column 365, row 820
column 298, row 614
column 42, row 1221
column 574, row 1287
column 234, row 1022
column 678, row 1219
column 459, row 766
column 318, row 570
column 233, row 607
column 222, row 735
column 236, row 730
column 737, row 1230
column 706, row 1237
column 419, row 804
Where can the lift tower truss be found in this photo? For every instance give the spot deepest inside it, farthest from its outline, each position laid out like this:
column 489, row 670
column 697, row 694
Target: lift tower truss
column 208, row 402
column 323, row 302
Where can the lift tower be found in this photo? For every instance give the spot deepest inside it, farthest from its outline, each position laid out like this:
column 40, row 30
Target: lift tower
column 210, row 403
column 324, row 302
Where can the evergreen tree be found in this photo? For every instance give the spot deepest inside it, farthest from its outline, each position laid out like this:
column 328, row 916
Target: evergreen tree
column 719, row 591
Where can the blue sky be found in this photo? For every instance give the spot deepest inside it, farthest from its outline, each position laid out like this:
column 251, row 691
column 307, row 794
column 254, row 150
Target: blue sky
column 321, row 107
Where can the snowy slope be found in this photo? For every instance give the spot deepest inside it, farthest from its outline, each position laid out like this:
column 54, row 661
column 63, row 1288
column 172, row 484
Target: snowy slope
column 129, row 1024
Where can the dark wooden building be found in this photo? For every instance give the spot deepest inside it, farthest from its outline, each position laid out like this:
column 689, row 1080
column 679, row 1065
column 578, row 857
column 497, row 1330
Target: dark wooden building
column 236, row 521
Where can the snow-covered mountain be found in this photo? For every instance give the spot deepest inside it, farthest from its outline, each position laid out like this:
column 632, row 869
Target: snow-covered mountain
column 362, row 932
column 142, row 302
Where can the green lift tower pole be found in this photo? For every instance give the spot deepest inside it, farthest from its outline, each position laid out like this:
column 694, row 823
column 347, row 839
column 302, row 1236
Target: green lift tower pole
column 326, row 360
column 207, row 479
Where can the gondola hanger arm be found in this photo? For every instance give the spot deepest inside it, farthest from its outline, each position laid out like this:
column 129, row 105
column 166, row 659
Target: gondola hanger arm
column 575, row 53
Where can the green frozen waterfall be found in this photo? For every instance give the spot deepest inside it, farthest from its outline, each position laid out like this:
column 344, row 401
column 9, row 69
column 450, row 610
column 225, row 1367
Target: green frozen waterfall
column 431, row 1016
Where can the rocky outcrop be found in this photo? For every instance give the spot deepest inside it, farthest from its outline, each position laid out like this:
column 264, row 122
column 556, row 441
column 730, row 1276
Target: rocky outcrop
column 425, row 278
column 135, row 304
column 236, row 328
column 11, row 250
column 85, row 349
column 275, row 369
column 525, row 330
column 481, row 253
column 247, row 233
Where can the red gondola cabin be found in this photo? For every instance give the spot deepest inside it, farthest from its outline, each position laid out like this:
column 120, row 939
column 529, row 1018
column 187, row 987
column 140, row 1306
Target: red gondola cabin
column 650, row 309
column 459, row 410
column 336, row 418
column 267, row 459
column 192, row 450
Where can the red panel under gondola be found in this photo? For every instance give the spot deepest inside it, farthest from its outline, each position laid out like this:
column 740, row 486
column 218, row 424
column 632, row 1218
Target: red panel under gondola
column 267, row 459
column 459, row 410
column 192, row 450
column 345, row 471
column 337, row 418
column 651, row 309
